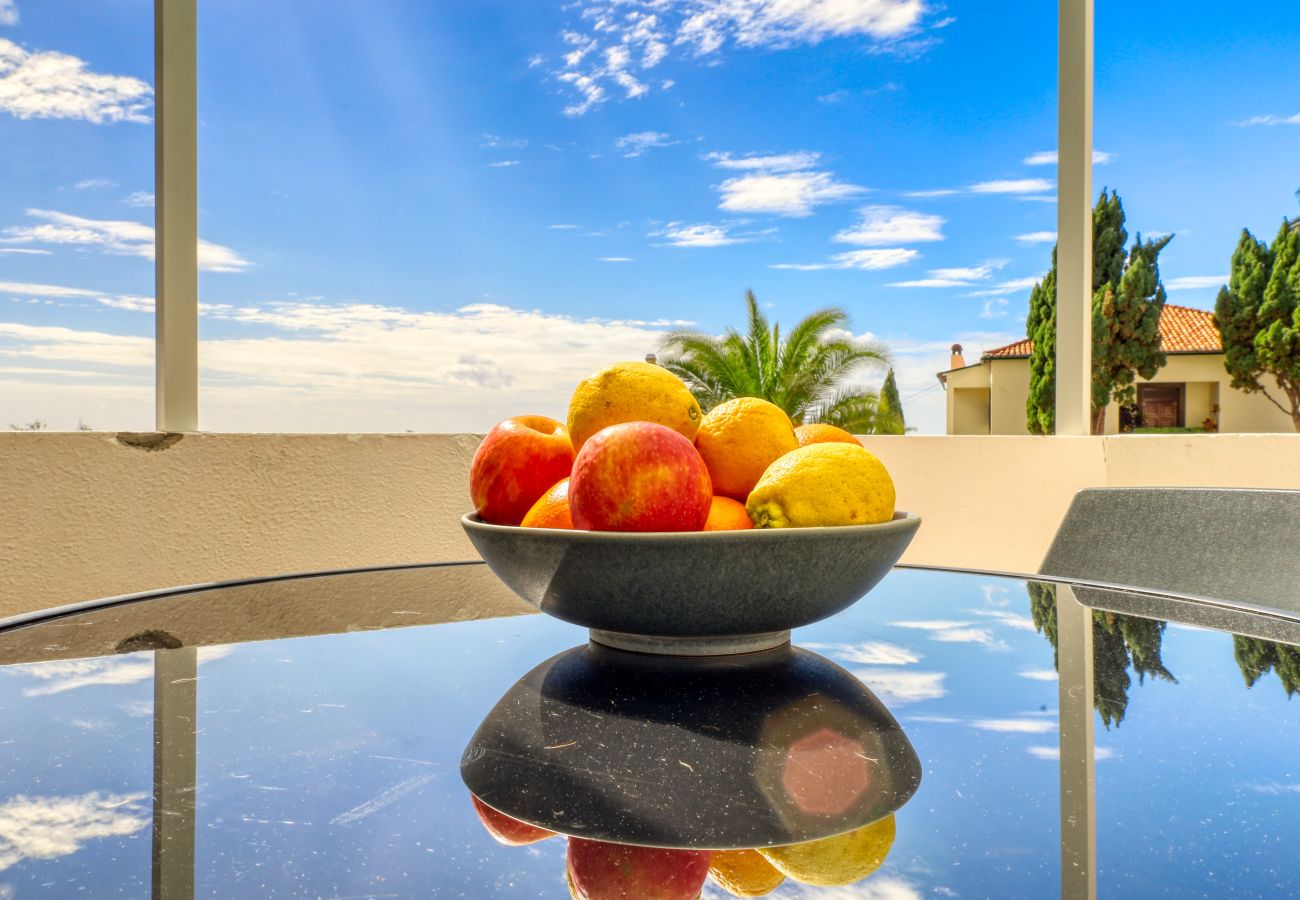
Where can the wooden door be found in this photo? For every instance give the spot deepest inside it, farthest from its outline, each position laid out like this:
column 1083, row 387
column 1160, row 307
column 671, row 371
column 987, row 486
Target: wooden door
column 1161, row 405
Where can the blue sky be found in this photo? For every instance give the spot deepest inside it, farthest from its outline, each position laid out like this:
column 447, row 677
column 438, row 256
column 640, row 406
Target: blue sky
column 429, row 217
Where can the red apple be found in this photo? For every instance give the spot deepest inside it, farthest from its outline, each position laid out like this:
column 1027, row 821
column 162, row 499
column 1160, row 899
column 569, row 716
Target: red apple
column 517, row 462
column 601, row 871
column 506, row 830
column 639, row 476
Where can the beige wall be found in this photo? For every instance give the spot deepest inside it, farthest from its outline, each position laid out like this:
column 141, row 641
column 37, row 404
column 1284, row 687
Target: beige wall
column 1207, row 384
column 87, row 515
column 970, row 410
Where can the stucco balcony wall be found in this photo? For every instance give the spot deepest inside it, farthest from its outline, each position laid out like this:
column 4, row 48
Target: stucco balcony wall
column 86, row 515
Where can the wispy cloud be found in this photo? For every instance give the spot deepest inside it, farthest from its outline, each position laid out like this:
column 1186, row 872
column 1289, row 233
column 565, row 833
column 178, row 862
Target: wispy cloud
column 1037, row 237
column 615, row 259
column 869, row 260
column 777, row 162
column 497, row 142
column 503, row 163
column 1013, row 186
column 994, row 308
column 955, row 632
column 1192, row 282
column 25, row 250
column 90, row 184
column 938, row 192
column 968, row 276
column 51, row 827
column 1039, row 752
column 1274, row 788
column 1039, row 674
column 873, row 653
column 1270, row 120
column 562, row 227
column 1007, row 618
column 680, row 234
column 8, row 12
column 117, row 237
column 634, row 145
column 794, row 194
column 1008, row 287
column 615, row 44
column 51, row 85
column 1015, row 726
column 898, row 687
column 1049, row 158
column 139, row 199
column 886, row 225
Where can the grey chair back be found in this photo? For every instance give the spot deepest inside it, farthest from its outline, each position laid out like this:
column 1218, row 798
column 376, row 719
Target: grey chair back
column 1240, row 546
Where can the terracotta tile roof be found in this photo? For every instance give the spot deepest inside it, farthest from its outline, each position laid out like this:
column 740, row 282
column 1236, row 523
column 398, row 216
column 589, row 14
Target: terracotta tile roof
column 1182, row 330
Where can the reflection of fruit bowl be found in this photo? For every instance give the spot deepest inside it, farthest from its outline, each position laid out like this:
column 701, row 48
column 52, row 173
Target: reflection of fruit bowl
column 692, row 593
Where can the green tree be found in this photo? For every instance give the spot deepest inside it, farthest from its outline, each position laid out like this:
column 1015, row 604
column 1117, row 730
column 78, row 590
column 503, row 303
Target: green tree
column 1258, row 314
column 805, row 373
column 1125, row 320
column 1256, row 658
column 889, row 399
column 1126, row 329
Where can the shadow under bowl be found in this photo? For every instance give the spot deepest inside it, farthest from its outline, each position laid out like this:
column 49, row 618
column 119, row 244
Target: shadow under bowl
column 692, row 593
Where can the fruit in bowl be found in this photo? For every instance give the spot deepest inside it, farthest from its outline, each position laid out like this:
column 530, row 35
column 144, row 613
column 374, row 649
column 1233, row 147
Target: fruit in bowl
column 518, row 461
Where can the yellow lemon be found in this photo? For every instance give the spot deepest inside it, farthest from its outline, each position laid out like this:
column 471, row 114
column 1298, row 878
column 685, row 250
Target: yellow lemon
column 823, row 484
column 632, row 392
column 739, row 439
column 838, row 860
column 744, row 873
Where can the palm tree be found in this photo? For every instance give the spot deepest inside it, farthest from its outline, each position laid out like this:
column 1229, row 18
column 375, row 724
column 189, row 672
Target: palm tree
column 804, row 374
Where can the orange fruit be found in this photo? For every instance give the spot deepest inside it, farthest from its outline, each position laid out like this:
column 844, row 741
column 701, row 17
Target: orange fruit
column 551, row 509
column 821, row 433
column 726, row 514
column 739, row 439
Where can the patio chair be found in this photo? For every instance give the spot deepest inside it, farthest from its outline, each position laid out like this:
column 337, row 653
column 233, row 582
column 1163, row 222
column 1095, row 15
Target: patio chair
column 1233, row 545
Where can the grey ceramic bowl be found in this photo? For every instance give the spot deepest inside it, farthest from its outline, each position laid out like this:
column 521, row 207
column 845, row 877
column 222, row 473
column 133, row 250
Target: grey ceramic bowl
column 692, row 593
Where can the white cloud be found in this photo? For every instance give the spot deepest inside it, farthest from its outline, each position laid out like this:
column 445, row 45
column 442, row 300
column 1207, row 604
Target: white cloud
column 869, row 260
column 885, row 225
column 25, row 250
column 1037, row 237
column 1271, row 120
column 497, row 142
column 939, row 192
column 139, row 198
column 355, row 367
column 1008, row 287
column 780, row 162
column 93, row 183
column 1048, row 158
column 955, row 632
column 794, row 194
column 51, row 827
column 873, row 653
column 504, row 163
column 1007, row 618
column 112, row 236
column 51, row 85
column 615, row 259
column 1013, row 186
column 1015, row 726
column 1274, row 788
column 621, row 40
column 1192, row 282
column 28, row 289
column 634, row 145
column 1098, row 753
column 954, row 277
column 8, row 12
column 562, row 227
column 897, row 687
column 1039, row 674
column 679, row 234
column 994, row 308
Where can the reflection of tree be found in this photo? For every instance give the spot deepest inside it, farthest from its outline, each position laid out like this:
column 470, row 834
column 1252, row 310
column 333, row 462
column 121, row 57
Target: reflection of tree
column 1256, row 658
column 1117, row 642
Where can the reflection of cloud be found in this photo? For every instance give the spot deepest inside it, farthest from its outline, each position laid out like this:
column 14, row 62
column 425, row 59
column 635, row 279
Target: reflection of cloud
column 874, row 653
column 1098, row 753
column 69, row 674
column 899, row 687
column 1015, row 726
column 953, row 632
column 1273, row 788
column 877, row 887
column 1010, row 619
column 50, row 827
column 1039, row 674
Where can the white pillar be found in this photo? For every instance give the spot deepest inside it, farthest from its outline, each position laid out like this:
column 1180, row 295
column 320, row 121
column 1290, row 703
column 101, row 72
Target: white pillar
column 176, row 280
column 1078, row 787
column 1074, row 219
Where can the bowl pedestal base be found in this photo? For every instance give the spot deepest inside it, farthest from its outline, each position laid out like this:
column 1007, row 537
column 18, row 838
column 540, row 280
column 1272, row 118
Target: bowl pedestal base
column 662, row 645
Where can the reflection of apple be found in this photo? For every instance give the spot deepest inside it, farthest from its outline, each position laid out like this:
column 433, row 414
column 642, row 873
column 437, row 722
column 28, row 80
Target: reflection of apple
column 601, row 871
column 639, row 476
column 506, row 830
column 517, row 462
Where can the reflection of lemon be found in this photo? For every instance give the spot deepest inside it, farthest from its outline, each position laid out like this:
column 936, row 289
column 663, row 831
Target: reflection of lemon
column 842, row 859
column 631, row 392
column 823, row 484
column 744, row 873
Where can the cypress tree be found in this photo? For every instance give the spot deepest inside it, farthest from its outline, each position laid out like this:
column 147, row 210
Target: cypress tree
column 890, row 403
column 1258, row 314
column 1040, row 407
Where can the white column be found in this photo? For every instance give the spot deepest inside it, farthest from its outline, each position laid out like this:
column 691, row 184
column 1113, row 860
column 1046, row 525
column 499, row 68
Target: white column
column 176, row 280
column 1074, row 219
column 1078, row 788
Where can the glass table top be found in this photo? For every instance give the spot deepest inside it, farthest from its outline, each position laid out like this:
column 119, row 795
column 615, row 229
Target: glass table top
column 319, row 736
